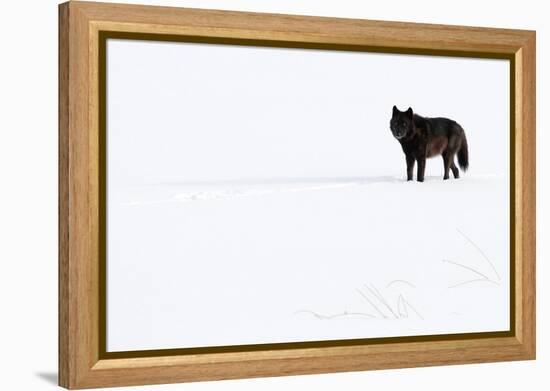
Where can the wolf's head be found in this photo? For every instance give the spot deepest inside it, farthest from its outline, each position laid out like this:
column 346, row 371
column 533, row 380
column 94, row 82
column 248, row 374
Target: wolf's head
column 401, row 123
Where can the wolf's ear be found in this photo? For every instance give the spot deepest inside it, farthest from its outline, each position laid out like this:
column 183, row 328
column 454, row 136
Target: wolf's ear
column 410, row 112
column 395, row 110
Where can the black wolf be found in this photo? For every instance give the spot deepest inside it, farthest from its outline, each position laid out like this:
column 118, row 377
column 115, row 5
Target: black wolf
column 422, row 138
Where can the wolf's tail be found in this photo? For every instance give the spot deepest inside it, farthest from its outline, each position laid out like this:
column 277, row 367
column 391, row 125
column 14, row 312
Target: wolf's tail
column 462, row 154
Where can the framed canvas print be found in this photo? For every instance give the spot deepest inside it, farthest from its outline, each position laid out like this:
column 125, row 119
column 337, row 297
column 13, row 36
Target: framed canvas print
column 249, row 195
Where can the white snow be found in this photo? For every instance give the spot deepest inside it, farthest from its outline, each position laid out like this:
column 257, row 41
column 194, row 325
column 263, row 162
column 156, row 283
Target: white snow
column 258, row 263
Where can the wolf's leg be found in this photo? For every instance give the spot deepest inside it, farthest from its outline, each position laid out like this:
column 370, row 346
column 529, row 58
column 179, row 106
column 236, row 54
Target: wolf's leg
column 452, row 148
column 421, row 169
column 447, row 161
column 410, row 166
column 454, row 169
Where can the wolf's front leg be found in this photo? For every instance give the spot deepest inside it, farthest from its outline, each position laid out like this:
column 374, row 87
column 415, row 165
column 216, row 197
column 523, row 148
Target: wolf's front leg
column 421, row 169
column 410, row 166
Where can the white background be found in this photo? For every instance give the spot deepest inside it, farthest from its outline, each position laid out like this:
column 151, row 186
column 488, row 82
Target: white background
column 280, row 190
column 28, row 207
column 185, row 112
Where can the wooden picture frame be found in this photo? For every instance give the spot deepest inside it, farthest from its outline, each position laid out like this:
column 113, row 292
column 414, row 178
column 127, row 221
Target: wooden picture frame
column 83, row 29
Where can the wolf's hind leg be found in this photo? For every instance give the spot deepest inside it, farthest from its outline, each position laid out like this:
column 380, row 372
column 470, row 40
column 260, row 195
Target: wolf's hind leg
column 454, row 169
column 447, row 162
